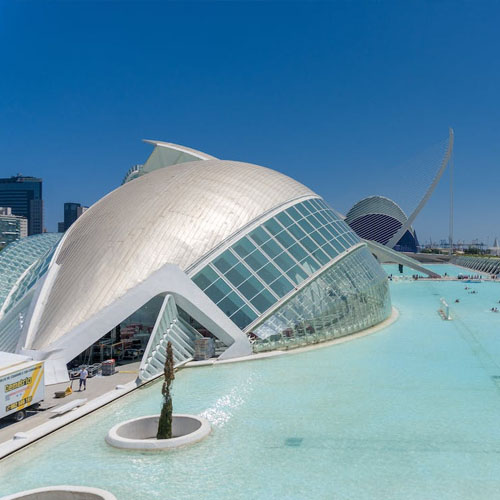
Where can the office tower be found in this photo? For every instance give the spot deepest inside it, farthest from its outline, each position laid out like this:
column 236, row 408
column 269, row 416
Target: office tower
column 24, row 196
column 12, row 227
column 71, row 212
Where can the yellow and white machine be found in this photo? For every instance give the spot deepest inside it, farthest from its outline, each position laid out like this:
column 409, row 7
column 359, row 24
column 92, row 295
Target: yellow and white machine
column 21, row 384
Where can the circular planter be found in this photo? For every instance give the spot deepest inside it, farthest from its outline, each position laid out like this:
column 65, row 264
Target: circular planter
column 62, row 493
column 140, row 433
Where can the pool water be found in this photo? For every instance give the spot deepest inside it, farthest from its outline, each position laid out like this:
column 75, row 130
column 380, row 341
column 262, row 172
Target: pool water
column 409, row 412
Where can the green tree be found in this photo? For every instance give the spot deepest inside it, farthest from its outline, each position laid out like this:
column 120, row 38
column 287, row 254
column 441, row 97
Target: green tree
column 165, row 422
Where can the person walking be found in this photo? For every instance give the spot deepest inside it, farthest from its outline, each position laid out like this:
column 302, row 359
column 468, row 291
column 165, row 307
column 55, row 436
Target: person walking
column 83, row 379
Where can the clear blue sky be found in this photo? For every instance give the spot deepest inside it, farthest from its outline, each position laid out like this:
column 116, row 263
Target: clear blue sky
column 336, row 95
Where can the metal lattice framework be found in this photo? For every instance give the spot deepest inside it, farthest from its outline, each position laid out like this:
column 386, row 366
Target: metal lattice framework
column 490, row 265
column 21, row 263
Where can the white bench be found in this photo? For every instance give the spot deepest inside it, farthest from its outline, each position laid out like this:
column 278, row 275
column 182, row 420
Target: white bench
column 59, row 410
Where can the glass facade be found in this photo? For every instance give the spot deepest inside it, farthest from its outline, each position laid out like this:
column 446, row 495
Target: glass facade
column 349, row 297
column 267, row 264
column 31, row 253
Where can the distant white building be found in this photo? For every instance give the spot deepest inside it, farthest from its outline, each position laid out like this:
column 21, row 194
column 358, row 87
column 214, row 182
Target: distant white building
column 12, row 227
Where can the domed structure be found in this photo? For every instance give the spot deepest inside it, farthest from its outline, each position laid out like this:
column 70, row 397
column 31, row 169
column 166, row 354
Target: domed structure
column 221, row 249
column 377, row 218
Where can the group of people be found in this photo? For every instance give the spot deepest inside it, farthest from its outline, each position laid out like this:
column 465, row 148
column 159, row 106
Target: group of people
column 493, row 309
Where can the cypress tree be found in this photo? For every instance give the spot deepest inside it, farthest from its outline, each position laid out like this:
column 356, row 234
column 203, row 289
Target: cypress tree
column 165, row 422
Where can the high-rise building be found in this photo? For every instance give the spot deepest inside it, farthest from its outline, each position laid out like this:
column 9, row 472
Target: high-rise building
column 12, row 227
column 24, row 196
column 71, row 212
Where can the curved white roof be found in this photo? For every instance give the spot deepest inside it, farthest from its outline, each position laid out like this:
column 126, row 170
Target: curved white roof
column 172, row 215
column 376, row 205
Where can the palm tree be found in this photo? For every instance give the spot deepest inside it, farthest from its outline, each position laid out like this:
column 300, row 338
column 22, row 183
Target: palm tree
column 165, row 422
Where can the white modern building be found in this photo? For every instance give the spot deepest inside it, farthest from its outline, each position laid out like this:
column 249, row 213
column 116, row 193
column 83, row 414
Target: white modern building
column 227, row 249
column 377, row 218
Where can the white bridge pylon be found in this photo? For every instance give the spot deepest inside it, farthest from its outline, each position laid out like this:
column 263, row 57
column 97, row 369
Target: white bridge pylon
column 444, row 162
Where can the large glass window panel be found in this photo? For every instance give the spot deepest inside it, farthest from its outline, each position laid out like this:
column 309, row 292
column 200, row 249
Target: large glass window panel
column 325, row 233
column 205, row 277
column 310, row 206
column 318, row 238
column 296, row 274
column 230, row 304
column 284, row 261
column 251, row 287
column 273, row 227
column 329, row 215
column 306, row 226
column 333, row 215
column 218, row 290
column 259, row 235
column 272, row 248
column 344, row 226
column 343, row 242
column 316, row 204
column 321, row 256
column 238, row 274
column 333, row 232
column 294, row 213
column 281, row 286
column 269, row 273
column 353, row 238
column 285, row 239
column 296, row 231
column 256, row 260
column 322, row 203
column 320, row 217
column 330, row 250
column 302, row 209
column 243, row 317
column 337, row 246
column 314, row 221
column 348, row 238
column 243, row 247
column 310, row 265
column 263, row 301
column 297, row 251
column 309, row 244
column 225, row 261
column 284, row 219
column 341, row 226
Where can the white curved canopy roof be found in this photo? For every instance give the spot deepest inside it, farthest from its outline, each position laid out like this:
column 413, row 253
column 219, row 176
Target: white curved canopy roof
column 376, row 205
column 172, row 215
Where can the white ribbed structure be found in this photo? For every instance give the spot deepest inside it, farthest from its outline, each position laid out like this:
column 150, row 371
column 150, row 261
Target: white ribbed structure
column 173, row 215
column 376, row 205
column 376, row 218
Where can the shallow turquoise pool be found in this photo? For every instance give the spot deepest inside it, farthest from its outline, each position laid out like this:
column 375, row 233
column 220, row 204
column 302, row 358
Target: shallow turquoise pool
column 410, row 412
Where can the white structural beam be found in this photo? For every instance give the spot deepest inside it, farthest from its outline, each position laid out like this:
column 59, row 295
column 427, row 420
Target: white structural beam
column 385, row 254
column 169, row 279
column 444, row 162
